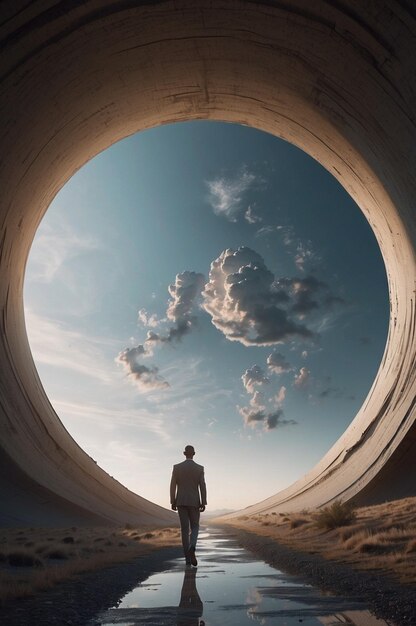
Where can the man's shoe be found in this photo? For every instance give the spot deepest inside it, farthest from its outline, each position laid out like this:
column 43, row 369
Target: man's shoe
column 192, row 556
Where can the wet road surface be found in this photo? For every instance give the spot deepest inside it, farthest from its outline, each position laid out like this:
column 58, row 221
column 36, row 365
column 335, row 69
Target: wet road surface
column 230, row 587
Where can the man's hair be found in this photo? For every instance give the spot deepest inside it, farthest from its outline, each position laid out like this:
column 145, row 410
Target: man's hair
column 189, row 450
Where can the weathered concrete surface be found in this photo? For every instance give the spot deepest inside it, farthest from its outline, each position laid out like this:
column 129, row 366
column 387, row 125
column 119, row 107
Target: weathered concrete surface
column 335, row 78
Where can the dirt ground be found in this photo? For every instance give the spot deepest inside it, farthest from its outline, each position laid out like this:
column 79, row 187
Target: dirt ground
column 381, row 537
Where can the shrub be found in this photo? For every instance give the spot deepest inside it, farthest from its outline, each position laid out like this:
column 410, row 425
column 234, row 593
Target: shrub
column 41, row 547
column 351, row 531
column 336, row 514
column 57, row 553
column 23, row 559
column 148, row 535
column 374, row 545
column 357, row 538
column 297, row 521
column 67, row 539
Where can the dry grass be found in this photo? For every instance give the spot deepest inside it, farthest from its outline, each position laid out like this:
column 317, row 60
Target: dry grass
column 32, row 560
column 336, row 515
column 381, row 537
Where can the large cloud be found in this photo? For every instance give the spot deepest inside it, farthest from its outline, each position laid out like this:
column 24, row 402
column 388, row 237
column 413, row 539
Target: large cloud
column 145, row 378
column 254, row 376
column 184, row 292
column 226, row 194
column 246, row 303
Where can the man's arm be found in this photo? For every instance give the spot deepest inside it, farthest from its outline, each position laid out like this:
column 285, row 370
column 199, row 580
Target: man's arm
column 203, row 489
column 173, row 483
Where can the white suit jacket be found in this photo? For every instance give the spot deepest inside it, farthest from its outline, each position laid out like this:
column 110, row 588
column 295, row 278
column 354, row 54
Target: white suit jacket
column 187, row 487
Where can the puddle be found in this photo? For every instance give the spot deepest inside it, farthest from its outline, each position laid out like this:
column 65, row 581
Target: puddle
column 231, row 588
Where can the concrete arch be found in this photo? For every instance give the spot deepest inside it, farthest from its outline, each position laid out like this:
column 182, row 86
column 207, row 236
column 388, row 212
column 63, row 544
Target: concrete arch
column 335, row 78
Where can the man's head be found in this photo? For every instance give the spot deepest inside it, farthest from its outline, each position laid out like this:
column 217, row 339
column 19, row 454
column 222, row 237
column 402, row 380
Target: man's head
column 189, row 452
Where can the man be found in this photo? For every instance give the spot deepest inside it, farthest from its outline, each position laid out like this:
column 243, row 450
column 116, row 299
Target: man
column 188, row 496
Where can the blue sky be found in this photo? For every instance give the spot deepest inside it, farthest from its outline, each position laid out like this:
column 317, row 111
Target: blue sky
column 206, row 283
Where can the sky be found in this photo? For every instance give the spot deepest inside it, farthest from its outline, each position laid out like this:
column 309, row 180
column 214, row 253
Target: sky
column 209, row 284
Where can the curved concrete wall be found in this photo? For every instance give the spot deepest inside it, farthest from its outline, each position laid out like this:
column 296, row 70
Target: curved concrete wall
column 335, row 78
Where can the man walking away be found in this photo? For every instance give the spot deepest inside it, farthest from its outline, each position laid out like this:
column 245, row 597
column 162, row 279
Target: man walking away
column 188, row 496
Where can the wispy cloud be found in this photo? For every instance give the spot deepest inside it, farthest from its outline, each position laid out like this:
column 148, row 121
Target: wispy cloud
column 277, row 363
column 190, row 381
column 302, row 251
column 184, row 293
column 147, row 320
column 281, row 396
column 267, row 230
column 302, row 378
column 257, row 413
column 251, row 216
column 304, row 254
column 226, row 194
column 52, row 343
column 112, row 416
column 145, row 377
column 53, row 247
column 268, row 419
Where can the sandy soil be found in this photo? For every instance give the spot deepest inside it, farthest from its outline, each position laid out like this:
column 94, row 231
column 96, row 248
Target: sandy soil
column 34, row 559
column 76, row 601
column 381, row 537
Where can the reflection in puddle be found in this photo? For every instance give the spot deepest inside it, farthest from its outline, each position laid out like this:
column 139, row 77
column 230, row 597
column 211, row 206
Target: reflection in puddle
column 236, row 590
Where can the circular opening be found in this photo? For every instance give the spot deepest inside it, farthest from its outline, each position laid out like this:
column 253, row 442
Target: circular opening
column 93, row 77
column 239, row 288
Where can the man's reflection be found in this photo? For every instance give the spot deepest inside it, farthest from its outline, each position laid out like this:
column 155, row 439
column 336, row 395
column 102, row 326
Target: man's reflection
column 190, row 605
